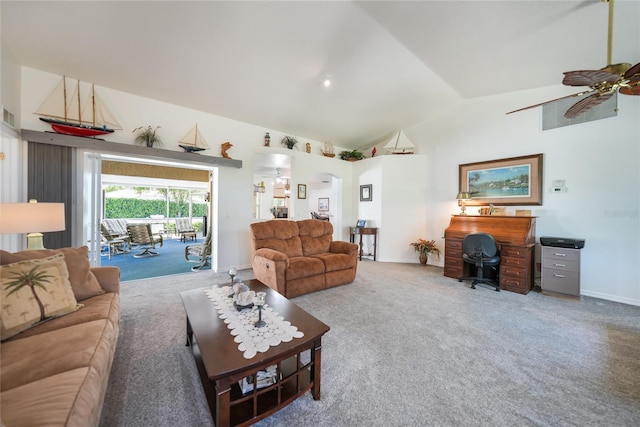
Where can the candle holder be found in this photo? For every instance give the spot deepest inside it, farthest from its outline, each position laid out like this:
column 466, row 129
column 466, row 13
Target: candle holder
column 260, row 300
column 233, row 272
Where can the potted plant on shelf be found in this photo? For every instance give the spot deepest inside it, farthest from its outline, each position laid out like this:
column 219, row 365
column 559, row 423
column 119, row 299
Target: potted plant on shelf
column 147, row 136
column 425, row 248
column 289, row 141
column 352, row 156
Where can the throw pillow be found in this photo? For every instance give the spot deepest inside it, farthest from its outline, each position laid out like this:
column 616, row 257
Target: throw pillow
column 83, row 282
column 32, row 292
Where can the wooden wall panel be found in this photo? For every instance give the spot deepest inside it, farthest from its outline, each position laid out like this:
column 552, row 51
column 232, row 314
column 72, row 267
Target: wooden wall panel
column 50, row 179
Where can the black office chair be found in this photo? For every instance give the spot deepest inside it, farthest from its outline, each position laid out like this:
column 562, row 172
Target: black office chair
column 480, row 250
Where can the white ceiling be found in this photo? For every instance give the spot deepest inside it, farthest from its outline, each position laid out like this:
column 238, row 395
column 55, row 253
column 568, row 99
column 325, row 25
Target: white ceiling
column 393, row 63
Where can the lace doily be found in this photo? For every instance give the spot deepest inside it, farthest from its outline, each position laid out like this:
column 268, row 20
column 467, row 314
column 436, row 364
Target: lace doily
column 250, row 339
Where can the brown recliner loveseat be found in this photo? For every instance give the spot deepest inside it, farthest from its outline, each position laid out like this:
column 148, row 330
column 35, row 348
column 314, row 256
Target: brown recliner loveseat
column 299, row 257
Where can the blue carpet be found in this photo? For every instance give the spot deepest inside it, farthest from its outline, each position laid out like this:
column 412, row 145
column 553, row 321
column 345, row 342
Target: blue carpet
column 169, row 261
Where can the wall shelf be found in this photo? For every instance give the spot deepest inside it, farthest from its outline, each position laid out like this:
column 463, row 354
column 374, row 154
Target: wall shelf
column 100, row 145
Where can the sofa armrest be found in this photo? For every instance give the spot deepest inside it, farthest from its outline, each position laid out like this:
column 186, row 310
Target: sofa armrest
column 108, row 277
column 340, row 247
column 269, row 267
column 272, row 255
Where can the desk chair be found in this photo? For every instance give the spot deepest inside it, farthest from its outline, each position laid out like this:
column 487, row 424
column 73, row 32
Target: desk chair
column 480, row 250
column 139, row 235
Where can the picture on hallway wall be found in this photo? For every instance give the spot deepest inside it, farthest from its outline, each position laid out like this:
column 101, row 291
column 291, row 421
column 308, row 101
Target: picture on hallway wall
column 511, row 181
column 323, row 204
column 365, row 193
column 302, row 191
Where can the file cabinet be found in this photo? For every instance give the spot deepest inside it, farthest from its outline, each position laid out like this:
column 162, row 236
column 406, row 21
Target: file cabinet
column 561, row 270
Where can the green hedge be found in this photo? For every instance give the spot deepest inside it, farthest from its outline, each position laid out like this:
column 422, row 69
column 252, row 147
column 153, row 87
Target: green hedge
column 134, row 208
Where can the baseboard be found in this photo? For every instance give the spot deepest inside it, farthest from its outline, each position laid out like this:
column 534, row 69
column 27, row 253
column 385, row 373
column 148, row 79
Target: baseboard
column 609, row 297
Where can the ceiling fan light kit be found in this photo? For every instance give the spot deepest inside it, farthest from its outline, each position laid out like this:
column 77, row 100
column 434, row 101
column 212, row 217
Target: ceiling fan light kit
column 602, row 83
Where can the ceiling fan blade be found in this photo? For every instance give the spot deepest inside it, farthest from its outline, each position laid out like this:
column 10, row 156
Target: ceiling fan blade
column 632, row 71
column 632, row 88
column 550, row 101
column 619, row 69
column 586, row 104
column 588, row 77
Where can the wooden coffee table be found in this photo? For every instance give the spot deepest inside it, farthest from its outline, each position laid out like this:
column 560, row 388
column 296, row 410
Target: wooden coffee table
column 221, row 365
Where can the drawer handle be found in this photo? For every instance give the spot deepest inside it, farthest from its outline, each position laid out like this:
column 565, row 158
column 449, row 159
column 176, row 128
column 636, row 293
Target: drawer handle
column 557, row 254
column 559, row 275
column 559, row 265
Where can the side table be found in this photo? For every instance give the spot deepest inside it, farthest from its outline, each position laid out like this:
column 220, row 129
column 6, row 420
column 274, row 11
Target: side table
column 353, row 231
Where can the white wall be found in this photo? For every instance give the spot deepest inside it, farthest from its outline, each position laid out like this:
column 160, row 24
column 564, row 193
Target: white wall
column 12, row 168
column 235, row 195
column 599, row 160
column 413, row 196
column 397, row 209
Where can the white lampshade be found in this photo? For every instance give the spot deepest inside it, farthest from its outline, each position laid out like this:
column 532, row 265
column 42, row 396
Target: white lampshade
column 32, row 218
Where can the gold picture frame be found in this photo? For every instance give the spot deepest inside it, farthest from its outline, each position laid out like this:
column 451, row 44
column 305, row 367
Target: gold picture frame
column 507, row 182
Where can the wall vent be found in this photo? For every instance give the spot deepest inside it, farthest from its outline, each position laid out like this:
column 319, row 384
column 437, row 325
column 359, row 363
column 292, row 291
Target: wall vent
column 8, row 118
column 553, row 113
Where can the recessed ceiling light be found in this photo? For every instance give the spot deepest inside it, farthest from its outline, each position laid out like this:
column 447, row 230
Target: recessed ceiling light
column 327, row 82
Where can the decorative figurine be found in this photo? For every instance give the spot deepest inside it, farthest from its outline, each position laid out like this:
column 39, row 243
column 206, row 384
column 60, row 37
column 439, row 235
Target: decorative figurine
column 223, row 149
column 267, row 140
column 308, row 147
column 373, row 152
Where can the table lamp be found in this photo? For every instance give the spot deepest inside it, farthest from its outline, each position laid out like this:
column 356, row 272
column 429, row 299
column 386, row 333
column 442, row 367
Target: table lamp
column 33, row 218
column 462, row 197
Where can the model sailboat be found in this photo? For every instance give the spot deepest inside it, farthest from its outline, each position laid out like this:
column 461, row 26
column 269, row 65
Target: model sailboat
column 401, row 144
column 66, row 115
column 193, row 141
column 328, row 150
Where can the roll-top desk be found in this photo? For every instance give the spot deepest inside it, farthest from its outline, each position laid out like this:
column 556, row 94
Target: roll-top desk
column 516, row 240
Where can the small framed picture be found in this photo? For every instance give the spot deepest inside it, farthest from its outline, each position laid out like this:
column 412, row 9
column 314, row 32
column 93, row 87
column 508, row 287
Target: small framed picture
column 302, row 191
column 365, row 193
column 323, row 204
column 361, row 223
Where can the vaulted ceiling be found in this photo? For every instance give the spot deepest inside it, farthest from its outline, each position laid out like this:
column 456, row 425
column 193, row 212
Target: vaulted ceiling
column 392, row 63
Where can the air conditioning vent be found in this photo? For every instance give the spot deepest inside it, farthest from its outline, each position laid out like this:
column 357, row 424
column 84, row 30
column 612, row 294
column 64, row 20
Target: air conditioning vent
column 8, row 118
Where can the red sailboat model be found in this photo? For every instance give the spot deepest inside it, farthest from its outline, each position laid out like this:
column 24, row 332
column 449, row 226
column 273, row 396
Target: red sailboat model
column 66, row 115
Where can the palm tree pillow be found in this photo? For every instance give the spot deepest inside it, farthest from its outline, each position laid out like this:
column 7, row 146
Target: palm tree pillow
column 33, row 292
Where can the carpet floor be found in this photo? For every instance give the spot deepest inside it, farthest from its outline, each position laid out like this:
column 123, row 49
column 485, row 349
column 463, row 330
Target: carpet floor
column 407, row 347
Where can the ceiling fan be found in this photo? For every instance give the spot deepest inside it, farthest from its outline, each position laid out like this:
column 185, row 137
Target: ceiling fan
column 602, row 83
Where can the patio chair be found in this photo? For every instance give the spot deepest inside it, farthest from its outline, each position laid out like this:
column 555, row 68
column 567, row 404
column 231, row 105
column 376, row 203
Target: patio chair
column 185, row 229
column 155, row 237
column 139, row 235
column 200, row 253
column 115, row 244
column 116, row 227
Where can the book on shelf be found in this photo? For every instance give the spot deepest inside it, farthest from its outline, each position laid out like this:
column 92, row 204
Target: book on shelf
column 263, row 378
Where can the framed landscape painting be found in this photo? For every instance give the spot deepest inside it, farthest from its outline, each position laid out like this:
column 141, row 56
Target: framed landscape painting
column 511, row 181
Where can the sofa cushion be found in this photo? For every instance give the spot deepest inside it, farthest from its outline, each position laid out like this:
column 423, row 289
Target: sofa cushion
column 87, row 344
column 334, row 262
column 26, row 303
column 83, row 282
column 49, row 401
column 281, row 236
column 304, row 267
column 316, row 236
